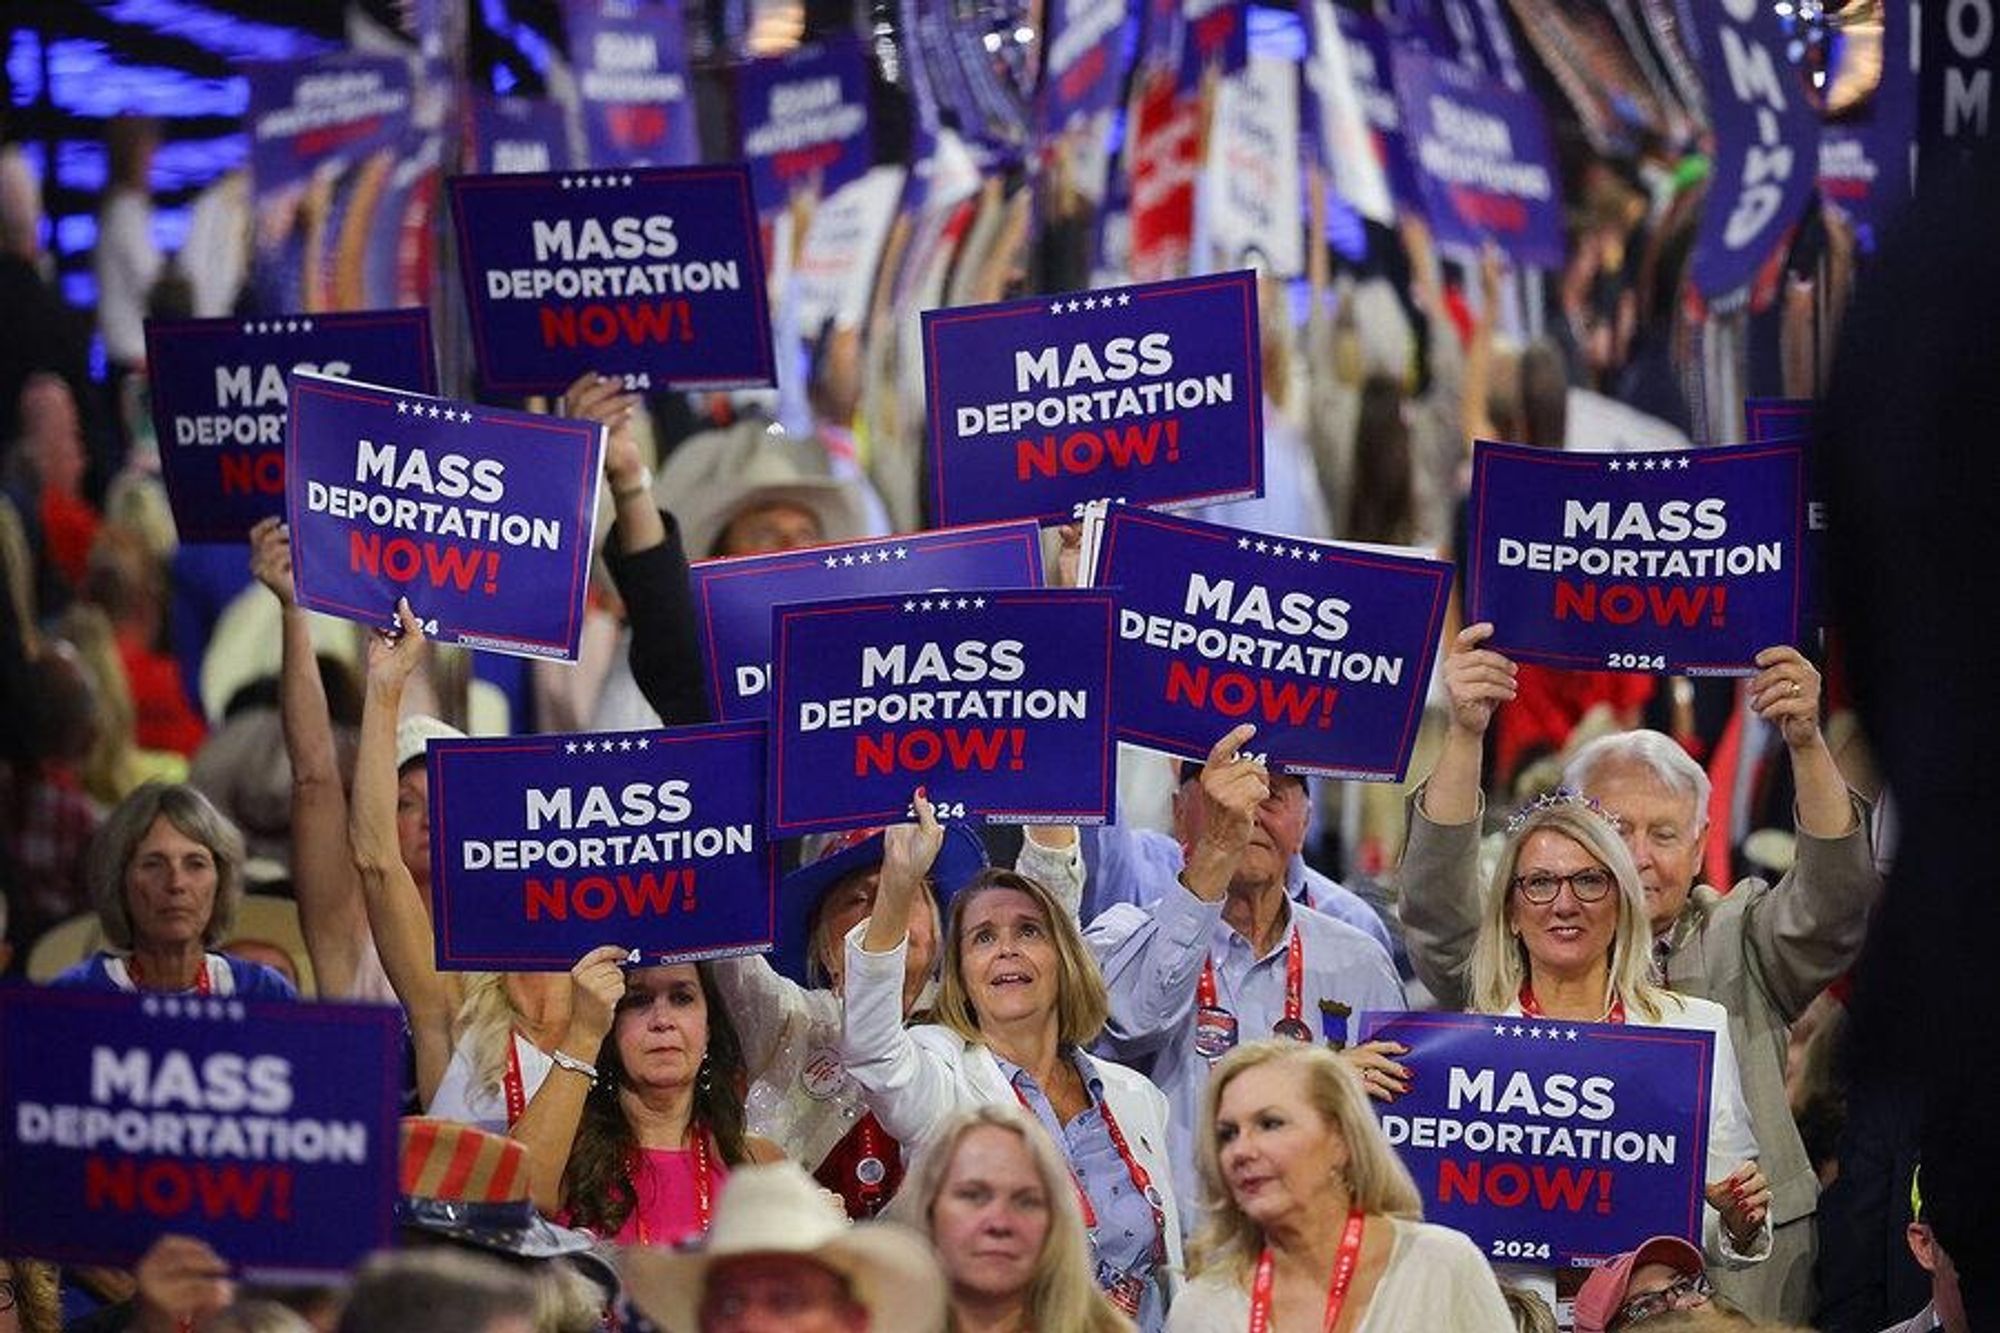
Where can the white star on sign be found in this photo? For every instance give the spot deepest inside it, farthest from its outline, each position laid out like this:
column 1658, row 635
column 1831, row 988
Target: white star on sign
column 564, row 181
column 402, row 408
column 847, row 560
column 964, row 603
column 570, row 748
column 1123, row 299
column 1570, row 1034
column 909, row 606
column 305, row 326
column 624, row 180
column 1682, row 463
column 832, row 561
column 1055, row 307
column 979, row 603
column 925, row 604
column 642, row 742
column 1242, row 543
column 247, row 326
column 902, row 553
column 1075, row 306
column 625, row 745
column 1263, row 547
column 1312, row 557
column 235, row 1010
column 1651, row 464
column 1534, row 1032
column 1517, row 1029
column 1499, row 1029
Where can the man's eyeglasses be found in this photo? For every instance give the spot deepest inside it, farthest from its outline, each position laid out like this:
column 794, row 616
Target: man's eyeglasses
column 1541, row 888
column 1682, row 1293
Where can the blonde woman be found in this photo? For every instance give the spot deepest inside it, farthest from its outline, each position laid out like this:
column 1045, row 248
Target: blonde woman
column 1019, row 998
column 995, row 1197
column 1564, row 936
column 1312, row 1222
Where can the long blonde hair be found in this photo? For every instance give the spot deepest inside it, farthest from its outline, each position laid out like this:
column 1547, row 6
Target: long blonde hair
column 1082, row 1005
column 484, row 1029
column 1062, row 1291
column 1499, row 957
column 1377, row 1181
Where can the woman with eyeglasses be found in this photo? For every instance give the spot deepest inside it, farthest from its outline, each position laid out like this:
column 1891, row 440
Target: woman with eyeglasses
column 1666, row 1273
column 1564, row 938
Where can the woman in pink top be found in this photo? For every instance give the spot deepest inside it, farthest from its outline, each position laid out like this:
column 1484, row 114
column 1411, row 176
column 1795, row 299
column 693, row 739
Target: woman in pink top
column 642, row 1116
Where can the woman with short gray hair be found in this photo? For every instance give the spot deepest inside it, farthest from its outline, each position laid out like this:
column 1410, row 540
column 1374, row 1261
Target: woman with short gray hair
column 166, row 877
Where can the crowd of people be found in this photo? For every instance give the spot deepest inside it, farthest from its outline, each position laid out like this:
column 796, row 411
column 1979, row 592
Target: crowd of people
column 1089, row 1079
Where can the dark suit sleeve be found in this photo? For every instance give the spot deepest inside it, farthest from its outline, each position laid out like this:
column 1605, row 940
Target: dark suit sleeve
column 666, row 652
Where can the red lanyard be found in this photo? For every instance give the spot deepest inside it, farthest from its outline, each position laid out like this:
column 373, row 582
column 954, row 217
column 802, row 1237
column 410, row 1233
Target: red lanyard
column 1142, row 1179
column 702, row 1187
column 1336, row 1293
column 1295, row 986
column 202, row 985
column 1530, row 1008
column 514, row 1086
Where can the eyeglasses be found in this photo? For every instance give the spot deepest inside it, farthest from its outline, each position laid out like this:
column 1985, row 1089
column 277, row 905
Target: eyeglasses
column 1683, row 1292
column 1541, row 887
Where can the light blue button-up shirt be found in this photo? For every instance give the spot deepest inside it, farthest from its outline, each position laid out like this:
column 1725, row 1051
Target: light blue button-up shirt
column 1127, row 1236
column 1152, row 960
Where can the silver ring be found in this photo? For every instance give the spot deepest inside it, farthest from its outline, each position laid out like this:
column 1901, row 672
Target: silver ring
column 1795, row 688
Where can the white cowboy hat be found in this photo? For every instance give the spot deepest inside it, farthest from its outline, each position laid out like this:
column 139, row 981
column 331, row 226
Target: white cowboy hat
column 714, row 475
column 779, row 1209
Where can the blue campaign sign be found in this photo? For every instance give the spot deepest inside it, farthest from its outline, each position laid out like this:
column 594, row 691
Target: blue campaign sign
column 1556, row 1144
column 1217, row 37
column 253, row 1126
column 655, row 275
column 1683, row 561
column 996, row 702
column 220, row 399
column 483, row 518
column 1482, row 158
column 545, row 847
column 304, row 111
column 1767, row 419
column 511, row 135
column 1327, row 648
column 1150, row 393
column 1083, row 68
column 733, row 598
column 632, row 82
column 1766, row 154
column 1773, row 419
column 804, row 117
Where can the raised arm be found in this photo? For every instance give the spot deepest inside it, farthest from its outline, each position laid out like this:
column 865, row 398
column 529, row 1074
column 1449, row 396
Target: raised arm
column 332, row 917
column 397, row 914
column 1438, row 877
column 907, row 1086
column 646, row 561
column 1152, row 957
column 549, row 1123
column 1809, row 928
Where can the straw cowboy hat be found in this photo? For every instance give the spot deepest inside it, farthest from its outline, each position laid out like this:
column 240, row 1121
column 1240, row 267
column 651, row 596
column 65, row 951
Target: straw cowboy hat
column 778, row 1209
column 715, row 475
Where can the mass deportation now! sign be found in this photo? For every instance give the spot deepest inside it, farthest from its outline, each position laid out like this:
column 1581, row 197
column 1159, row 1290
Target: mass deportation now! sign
column 220, row 400
column 544, row 847
column 1150, row 394
column 652, row 274
column 253, row 1126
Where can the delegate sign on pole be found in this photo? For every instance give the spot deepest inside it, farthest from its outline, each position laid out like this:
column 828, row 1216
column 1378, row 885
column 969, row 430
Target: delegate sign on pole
column 220, row 400
column 1684, row 561
column 652, row 274
column 1328, row 649
column 266, row 1129
column 733, row 598
column 996, row 702
column 1554, row 1144
column 482, row 517
column 545, row 847
column 1151, row 394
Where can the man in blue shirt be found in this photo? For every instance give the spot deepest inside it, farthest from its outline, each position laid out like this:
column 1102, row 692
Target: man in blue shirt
column 1223, row 953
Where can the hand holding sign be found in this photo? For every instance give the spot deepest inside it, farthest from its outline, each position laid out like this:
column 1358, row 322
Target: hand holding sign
column 907, row 853
column 1384, row 1079
column 1785, row 693
column 394, row 653
column 1478, row 679
column 181, row 1282
column 596, row 985
column 1743, row 1197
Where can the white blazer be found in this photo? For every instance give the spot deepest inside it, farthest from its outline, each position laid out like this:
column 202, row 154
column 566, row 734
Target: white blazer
column 915, row 1077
